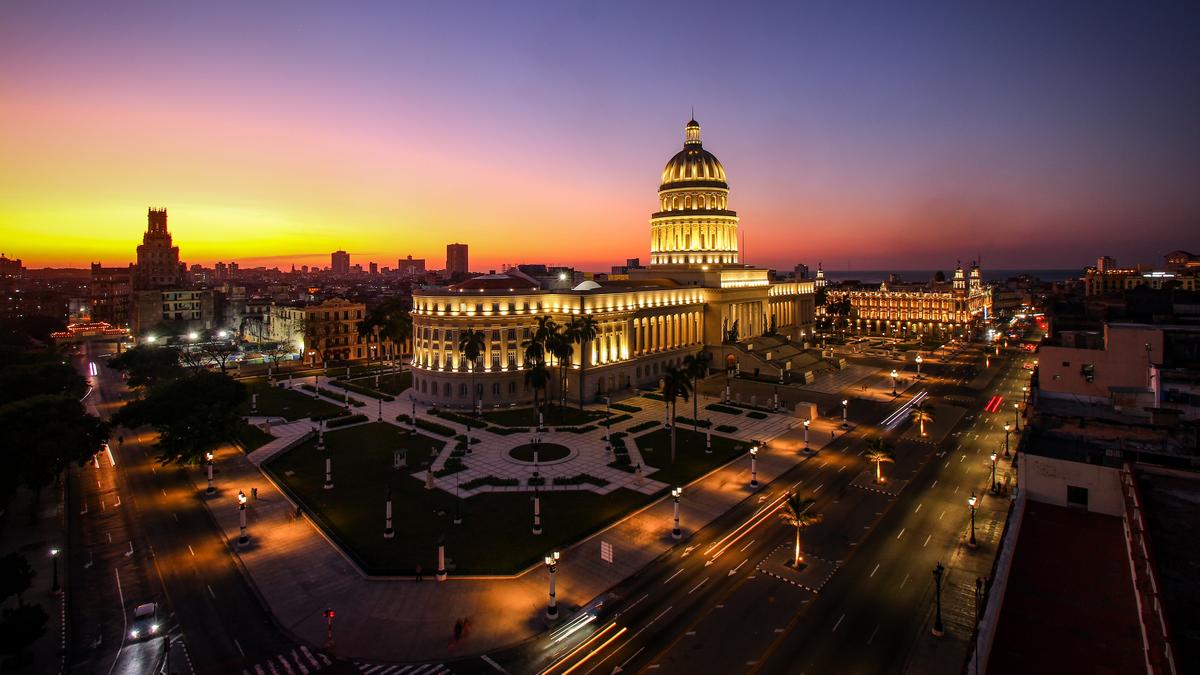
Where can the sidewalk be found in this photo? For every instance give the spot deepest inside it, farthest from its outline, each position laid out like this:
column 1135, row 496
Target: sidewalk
column 299, row 573
column 34, row 541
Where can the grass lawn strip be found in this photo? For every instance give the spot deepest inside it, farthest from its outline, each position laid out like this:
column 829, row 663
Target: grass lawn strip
column 691, row 461
column 286, row 403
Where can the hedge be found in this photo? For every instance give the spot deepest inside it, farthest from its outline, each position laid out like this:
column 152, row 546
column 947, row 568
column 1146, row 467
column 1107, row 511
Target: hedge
column 335, row 395
column 693, row 422
column 618, row 418
column 728, row 410
column 580, row 479
column 439, row 429
column 653, row 396
column 508, row 431
column 365, row 391
column 451, row 467
column 465, row 420
column 577, row 430
column 625, row 407
column 642, row 427
column 539, row 481
column 346, row 421
column 494, row 481
column 462, row 438
column 755, row 415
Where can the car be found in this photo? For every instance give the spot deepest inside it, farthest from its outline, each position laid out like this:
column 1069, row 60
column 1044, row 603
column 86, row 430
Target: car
column 145, row 621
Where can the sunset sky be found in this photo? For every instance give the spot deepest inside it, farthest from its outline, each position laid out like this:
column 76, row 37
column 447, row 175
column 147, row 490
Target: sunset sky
column 887, row 136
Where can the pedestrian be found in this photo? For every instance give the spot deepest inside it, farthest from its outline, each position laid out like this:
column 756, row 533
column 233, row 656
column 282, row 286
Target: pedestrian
column 254, row 493
column 831, row 434
column 418, row 575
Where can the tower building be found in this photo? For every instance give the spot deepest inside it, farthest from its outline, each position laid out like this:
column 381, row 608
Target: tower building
column 157, row 259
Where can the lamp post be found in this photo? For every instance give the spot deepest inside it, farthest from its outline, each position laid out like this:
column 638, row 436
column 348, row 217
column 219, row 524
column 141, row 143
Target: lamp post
column 1024, row 394
column 1007, row 429
column 537, row 511
column 806, row 423
column 321, row 435
column 243, row 538
column 708, row 438
column 754, row 467
column 317, row 386
column 380, row 417
column 675, row 494
column 551, row 561
column 995, row 487
column 441, row 575
column 414, row 413
column 1017, row 416
column 938, row 572
column 919, row 360
column 208, row 461
column 388, row 532
column 971, row 501
column 894, row 374
column 845, row 404
column 457, row 499
column 54, row 564
column 328, row 473
column 328, row 614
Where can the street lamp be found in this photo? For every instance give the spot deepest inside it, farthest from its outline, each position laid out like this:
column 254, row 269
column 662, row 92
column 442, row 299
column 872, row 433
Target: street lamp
column 919, row 360
column 193, row 336
column 995, row 488
column 1024, row 394
column 1017, row 416
column 938, row 572
column 754, row 467
column 1007, row 429
column 243, row 538
column 894, row 374
column 328, row 473
column 845, row 403
column 806, row 423
column 54, row 563
column 551, row 561
column 675, row 494
column 321, row 435
column 380, row 418
column 537, row 511
column 208, row 459
column 971, row 501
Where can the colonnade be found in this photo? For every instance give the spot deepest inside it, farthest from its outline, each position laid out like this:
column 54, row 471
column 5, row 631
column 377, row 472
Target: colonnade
column 668, row 331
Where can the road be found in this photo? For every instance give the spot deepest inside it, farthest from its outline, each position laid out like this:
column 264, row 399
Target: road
column 164, row 548
column 722, row 601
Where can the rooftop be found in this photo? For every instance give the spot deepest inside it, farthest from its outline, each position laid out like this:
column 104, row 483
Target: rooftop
column 1171, row 502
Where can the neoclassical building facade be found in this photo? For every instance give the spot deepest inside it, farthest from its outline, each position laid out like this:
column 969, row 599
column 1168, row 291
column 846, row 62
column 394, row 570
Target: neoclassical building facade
column 918, row 309
column 692, row 295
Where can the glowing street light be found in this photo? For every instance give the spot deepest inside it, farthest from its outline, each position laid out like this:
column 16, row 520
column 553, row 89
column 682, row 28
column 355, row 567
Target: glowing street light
column 193, row 336
column 222, row 334
column 754, row 467
column 845, row 404
column 995, row 487
column 894, row 374
column 806, row 423
column 676, row 493
column 919, row 360
column 54, row 587
column 1007, row 429
column 151, row 338
column 1017, row 416
column 208, row 460
column 551, row 561
column 243, row 538
column 971, row 501
column 1024, row 394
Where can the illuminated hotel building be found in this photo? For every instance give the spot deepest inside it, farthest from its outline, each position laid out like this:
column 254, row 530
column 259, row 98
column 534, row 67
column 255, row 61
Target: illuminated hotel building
column 916, row 309
column 693, row 293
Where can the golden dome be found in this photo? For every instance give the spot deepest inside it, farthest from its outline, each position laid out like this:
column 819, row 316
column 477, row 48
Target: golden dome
column 693, row 166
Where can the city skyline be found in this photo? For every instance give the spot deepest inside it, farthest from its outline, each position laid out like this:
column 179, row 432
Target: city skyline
column 278, row 137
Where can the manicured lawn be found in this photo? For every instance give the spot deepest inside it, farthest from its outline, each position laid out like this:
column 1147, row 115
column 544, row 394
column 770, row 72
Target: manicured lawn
column 553, row 415
column 282, row 402
column 388, row 383
column 691, row 461
column 494, row 537
column 251, row 437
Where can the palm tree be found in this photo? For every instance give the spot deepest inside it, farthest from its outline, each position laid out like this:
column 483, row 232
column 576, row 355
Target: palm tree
column 471, row 343
column 795, row 512
column 537, row 377
column 559, row 344
column 878, row 452
column 583, row 330
column 921, row 414
column 675, row 386
column 696, row 367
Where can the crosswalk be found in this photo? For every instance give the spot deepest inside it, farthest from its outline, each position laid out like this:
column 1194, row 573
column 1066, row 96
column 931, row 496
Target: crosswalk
column 299, row 661
column 423, row 669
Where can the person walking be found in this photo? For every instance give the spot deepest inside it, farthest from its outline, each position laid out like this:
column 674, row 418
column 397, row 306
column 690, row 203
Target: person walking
column 254, row 493
column 417, row 578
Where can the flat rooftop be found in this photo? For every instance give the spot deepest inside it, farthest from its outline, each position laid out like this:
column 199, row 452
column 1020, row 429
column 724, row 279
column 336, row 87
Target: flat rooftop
column 1172, row 506
column 1069, row 606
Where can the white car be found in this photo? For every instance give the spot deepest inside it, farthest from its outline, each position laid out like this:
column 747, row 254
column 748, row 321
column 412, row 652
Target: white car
column 145, row 621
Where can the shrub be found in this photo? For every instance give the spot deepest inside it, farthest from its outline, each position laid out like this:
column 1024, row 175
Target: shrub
column 728, row 410
column 690, row 422
column 439, row 429
column 625, row 407
column 755, row 415
column 618, row 418
column 577, row 430
column 726, row 429
column 617, row 435
column 508, row 431
column 451, row 467
column 494, row 481
column 642, row 427
column 346, row 421
column 653, row 396
column 335, row 395
column 404, row 419
column 580, row 479
column 462, row 438
column 539, row 481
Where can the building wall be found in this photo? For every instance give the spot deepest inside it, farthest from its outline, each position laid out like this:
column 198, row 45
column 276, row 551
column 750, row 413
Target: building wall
column 1045, row 479
column 1090, row 374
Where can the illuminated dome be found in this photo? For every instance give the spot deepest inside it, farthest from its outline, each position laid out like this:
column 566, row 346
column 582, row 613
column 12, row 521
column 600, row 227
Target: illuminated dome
column 693, row 225
column 693, row 166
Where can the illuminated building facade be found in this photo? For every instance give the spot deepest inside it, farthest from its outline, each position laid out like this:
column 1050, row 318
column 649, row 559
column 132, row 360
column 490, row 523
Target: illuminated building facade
column 693, row 294
column 157, row 258
column 915, row 309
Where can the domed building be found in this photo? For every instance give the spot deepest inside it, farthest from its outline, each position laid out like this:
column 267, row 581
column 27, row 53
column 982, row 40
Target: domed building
column 694, row 295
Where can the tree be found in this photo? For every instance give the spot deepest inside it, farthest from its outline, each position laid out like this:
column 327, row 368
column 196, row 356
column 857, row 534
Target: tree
column 820, row 297
column 696, row 367
column 390, row 321
column 878, row 452
column 795, row 511
column 921, row 414
column 147, row 365
column 20, row 627
column 318, row 336
column 219, row 351
column 16, row 576
column 583, row 330
column 40, row 436
column 675, row 386
column 537, row 377
column 559, row 344
column 193, row 415
column 39, row 373
column 471, row 344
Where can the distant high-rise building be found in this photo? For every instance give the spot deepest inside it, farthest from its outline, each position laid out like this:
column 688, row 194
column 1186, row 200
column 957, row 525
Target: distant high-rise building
column 1105, row 263
column 10, row 269
column 340, row 262
column 801, row 271
column 110, row 294
column 233, row 270
column 157, row 259
column 374, row 269
column 410, row 267
column 456, row 259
